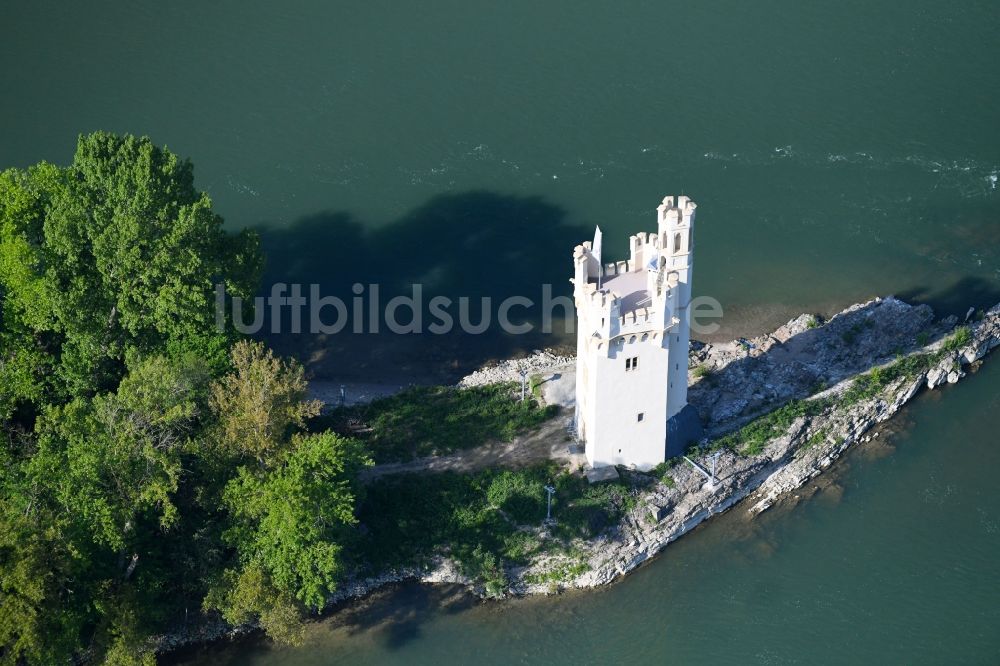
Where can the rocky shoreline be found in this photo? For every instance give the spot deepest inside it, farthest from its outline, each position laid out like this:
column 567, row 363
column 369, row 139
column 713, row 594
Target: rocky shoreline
column 732, row 384
column 788, row 461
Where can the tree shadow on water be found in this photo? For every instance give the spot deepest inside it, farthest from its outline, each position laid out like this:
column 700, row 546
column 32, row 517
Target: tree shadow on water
column 474, row 244
column 390, row 617
column 394, row 618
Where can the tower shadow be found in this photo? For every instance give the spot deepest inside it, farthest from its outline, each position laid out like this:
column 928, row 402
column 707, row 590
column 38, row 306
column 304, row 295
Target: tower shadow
column 472, row 245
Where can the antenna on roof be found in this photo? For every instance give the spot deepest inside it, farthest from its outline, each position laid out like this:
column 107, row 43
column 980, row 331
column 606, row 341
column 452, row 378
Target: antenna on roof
column 596, row 252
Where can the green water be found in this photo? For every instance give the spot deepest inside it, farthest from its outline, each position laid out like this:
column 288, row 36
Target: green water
column 837, row 151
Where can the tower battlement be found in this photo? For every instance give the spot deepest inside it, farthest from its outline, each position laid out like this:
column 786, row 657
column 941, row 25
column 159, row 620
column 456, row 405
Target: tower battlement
column 632, row 339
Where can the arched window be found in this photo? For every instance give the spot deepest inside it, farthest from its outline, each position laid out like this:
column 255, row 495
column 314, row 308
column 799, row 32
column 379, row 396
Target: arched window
column 677, row 243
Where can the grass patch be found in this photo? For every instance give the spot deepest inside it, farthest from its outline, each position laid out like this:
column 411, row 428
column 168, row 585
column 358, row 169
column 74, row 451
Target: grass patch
column 958, row 339
column 437, row 420
column 872, row 383
column 751, row 438
column 815, row 439
column 481, row 520
column 812, row 322
column 662, row 472
column 702, row 371
column 535, row 386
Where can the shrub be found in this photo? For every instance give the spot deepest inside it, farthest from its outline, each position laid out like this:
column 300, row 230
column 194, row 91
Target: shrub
column 480, row 519
column 851, row 334
column 702, row 371
column 661, row 472
column 958, row 339
column 519, row 496
column 872, row 383
column 814, row 439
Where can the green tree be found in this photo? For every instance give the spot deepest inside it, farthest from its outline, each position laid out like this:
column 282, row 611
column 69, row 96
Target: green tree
column 149, row 464
column 260, row 403
column 88, row 515
column 116, row 254
column 116, row 457
column 291, row 502
column 289, row 523
column 42, row 612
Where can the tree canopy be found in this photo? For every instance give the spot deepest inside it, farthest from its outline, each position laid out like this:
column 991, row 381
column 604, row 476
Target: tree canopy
column 115, row 255
column 150, row 464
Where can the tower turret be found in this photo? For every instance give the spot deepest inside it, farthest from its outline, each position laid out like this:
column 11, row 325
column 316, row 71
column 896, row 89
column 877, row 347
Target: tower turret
column 632, row 340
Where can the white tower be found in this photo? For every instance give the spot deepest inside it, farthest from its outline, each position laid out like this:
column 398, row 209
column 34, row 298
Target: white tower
column 633, row 333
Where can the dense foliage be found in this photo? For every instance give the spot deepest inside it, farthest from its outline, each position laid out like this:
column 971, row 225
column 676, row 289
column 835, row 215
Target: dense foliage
column 478, row 519
column 150, row 464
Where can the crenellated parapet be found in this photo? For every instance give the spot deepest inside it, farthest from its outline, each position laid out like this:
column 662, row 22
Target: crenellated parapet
column 632, row 340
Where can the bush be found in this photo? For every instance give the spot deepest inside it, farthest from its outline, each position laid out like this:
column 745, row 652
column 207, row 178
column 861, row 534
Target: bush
column 958, row 339
column 519, row 496
column 816, row 438
column 869, row 385
column 851, row 334
column 661, row 472
column 702, row 371
column 480, row 519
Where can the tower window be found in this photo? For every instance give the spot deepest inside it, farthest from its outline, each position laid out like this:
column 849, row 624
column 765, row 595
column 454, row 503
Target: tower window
column 631, row 363
column 677, row 242
column 639, row 418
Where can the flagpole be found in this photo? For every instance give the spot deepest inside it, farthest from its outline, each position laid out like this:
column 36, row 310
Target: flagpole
column 596, row 251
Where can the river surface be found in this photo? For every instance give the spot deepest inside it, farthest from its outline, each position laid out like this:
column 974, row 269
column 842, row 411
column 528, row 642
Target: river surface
column 837, row 150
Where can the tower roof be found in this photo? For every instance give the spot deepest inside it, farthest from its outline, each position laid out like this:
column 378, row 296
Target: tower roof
column 630, row 288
